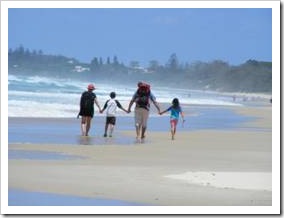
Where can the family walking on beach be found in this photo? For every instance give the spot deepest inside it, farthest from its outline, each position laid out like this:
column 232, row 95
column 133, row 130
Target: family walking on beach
column 142, row 98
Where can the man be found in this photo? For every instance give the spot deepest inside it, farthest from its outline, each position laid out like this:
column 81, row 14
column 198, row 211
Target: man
column 142, row 98
column 88, row 98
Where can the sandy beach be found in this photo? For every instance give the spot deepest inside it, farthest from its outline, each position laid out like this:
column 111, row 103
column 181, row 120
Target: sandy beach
column 209, row 167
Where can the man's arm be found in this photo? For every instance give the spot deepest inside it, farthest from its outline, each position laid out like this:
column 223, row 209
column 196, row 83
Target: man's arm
column 157, row 106
column 130, row 105
column 120, row 106
column 131, row 102
column 162, row 112
column 153, row 98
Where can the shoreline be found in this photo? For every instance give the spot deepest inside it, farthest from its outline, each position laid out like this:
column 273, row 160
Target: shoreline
column 153, row 111
column 139, row 173
column 67, row 130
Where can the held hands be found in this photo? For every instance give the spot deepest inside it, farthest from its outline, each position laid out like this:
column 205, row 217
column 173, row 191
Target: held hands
column 126, row 111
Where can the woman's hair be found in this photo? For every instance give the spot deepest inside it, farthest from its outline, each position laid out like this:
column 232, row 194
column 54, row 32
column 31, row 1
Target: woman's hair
column 175, row 102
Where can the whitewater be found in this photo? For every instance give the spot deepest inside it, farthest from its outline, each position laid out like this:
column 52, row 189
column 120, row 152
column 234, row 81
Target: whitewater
column 37, row 96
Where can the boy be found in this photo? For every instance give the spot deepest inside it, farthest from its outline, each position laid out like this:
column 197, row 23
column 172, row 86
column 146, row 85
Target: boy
column 111, row 106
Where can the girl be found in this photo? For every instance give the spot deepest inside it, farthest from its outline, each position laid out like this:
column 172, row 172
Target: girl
column 175, row 111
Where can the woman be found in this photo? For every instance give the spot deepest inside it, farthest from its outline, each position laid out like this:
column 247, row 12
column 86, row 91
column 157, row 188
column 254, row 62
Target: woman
column 88, row 98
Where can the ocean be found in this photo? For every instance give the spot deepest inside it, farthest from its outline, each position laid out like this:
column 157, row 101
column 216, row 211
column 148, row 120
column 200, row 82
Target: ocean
column 37, row 96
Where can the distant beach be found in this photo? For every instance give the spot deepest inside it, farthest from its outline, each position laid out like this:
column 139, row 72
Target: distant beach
column 215, row 144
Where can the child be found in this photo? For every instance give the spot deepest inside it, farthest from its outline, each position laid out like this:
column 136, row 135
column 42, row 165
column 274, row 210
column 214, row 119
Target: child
column 175, row 111
column 111, row 106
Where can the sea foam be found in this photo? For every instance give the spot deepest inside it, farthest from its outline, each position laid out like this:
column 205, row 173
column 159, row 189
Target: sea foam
column 36, row 96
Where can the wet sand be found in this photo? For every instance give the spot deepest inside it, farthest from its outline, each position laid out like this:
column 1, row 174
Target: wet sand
column 160, row 172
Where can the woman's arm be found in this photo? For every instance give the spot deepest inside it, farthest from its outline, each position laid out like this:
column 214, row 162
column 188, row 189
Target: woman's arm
column 96, row 102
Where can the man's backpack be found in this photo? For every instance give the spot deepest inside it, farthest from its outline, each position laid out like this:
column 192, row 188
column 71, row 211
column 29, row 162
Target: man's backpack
column 143, row 94
column 87, row 100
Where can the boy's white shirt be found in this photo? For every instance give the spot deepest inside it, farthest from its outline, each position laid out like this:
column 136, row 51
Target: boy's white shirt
column 111, row 108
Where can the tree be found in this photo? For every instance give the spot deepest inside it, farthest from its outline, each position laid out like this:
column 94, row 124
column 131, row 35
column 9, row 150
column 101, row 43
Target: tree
column 134, row 64
column 108, row 61
column 94, row 64
column 20, row 51
column 173, row 62
column 10, row 52
column 101, row 61
column 34, row 52
column 27, row 52
column 115, row 61
column 153, row 65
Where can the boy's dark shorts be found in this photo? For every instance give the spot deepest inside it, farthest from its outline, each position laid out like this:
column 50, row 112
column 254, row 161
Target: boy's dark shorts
column 110, row 120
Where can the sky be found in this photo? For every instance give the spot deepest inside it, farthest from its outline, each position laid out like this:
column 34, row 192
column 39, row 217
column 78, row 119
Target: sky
column 233, row 35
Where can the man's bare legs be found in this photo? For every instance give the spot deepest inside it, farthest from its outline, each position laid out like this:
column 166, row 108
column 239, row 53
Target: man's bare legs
column 138, row 130
column 143, row 132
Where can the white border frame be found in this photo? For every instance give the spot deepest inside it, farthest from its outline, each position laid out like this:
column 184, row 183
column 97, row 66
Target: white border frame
column 274, row 209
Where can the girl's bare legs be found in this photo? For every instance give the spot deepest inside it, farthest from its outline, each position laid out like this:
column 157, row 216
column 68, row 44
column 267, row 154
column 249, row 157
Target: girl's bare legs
column 173, row 133
column 173, row 130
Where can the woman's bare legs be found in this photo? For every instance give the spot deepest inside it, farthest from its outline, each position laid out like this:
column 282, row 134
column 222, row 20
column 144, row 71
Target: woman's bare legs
column 88, row 125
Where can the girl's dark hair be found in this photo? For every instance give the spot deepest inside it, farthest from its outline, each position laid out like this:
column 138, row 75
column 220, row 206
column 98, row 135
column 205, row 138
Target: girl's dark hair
column 175, row 102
